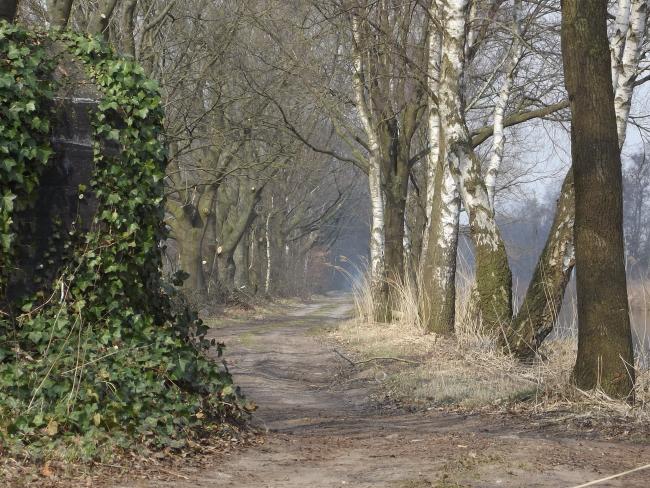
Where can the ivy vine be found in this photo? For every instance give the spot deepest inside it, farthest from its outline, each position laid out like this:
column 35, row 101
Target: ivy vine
column 25, row 91
column 104, row 354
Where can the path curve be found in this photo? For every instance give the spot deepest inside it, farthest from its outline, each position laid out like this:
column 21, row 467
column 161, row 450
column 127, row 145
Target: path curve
column 325, row 430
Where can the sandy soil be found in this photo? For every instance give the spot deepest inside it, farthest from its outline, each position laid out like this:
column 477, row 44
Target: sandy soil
column 325, row 427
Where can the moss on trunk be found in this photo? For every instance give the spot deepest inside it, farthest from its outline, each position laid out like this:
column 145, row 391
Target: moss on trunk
column 605, row 353
column 543, row 300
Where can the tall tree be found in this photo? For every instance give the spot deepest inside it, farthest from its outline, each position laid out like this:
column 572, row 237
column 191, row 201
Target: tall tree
column 541, row 305
column 493, row 275
column 605, row 352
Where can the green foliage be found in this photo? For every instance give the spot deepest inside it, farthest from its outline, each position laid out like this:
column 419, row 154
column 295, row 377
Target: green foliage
column 104, row 355
column 24, row 128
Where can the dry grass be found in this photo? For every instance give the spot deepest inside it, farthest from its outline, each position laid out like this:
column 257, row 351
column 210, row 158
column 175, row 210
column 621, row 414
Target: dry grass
column 468, row 371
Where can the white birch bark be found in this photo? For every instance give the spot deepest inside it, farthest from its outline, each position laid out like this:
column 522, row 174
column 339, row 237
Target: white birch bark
column 627, row 70
column 617, row 42
column 378, row 280
column 267, row 232
column 471, row 28
column 377, row 242
column 493, row 276
column 499, row 138
column 435, row 43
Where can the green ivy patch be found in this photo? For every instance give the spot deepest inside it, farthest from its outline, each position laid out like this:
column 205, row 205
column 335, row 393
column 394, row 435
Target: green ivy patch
column 25, row 92
column 103, row 355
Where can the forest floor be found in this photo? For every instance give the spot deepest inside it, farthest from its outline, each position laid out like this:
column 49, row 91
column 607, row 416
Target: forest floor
column 327, row 424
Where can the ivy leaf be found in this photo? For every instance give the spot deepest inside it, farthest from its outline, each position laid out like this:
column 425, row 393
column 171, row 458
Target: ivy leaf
column 7, row 202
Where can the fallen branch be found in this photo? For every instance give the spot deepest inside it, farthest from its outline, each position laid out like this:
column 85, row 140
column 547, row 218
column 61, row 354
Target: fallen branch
column 356, row 363
column 617, row 475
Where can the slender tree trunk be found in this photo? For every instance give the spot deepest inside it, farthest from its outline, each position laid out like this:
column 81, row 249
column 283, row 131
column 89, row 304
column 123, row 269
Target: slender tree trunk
column 493, row 275
column 433, row 158
column 438, row 302
column 627, row 71
column 267, row 236
column 8, row 10
column 605, row 353
column 395, row 213
column 128, row 23
column 378, row 280
column 543, row 300
column 242, row 264
column 499, row 139
column 617, row 43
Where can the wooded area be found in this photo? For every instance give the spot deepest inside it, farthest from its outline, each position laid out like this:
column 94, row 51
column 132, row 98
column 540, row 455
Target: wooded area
column 459, row 164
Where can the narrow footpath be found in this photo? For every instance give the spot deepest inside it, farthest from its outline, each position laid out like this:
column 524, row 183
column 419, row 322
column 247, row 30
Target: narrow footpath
column 326, row 429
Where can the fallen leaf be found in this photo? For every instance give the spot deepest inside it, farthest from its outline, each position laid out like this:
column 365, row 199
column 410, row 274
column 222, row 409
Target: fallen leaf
column 52, row 428
column 46, row 470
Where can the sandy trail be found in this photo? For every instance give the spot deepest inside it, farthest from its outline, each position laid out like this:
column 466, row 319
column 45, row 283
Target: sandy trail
column 325, row 430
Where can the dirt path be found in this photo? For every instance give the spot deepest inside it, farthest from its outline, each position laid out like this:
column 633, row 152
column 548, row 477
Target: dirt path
column 326, row 431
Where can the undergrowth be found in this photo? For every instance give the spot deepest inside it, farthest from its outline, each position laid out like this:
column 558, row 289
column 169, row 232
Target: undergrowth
column 99, row 359
column 469, row 370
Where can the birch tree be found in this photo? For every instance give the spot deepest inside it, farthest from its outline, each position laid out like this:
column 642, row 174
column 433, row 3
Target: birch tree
column 389, row 101
column 493, row 276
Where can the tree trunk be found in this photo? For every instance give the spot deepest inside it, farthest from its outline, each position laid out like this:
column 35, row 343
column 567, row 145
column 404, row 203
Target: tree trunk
column 58, row 12
column 394, row 212
column 99, row 22
column 543, row 300
column 499, row 138
column 605, row 353
column 8, row 10
column 438, row 302
column 267, row 239
column 226, row 271
column 128, row 23
column 191, row 259
column 627, row 72
column 433, row 127
column 242, row 264
column 493, row 275
column 380, row 290
column 378, row 281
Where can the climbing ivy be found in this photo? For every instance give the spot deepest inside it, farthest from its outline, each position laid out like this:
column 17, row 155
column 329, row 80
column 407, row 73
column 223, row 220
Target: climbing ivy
column 103, row 354
column 25, row 90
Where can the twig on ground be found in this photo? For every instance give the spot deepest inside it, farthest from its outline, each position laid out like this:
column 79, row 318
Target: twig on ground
column 618, row 475
column 173, row 473
column 356, row 363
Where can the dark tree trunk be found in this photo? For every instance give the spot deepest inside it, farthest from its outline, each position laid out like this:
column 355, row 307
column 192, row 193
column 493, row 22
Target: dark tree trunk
column 395, row 208
column 8, row 10
column 605, row 353
column 128, row 23
column 242, row 264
